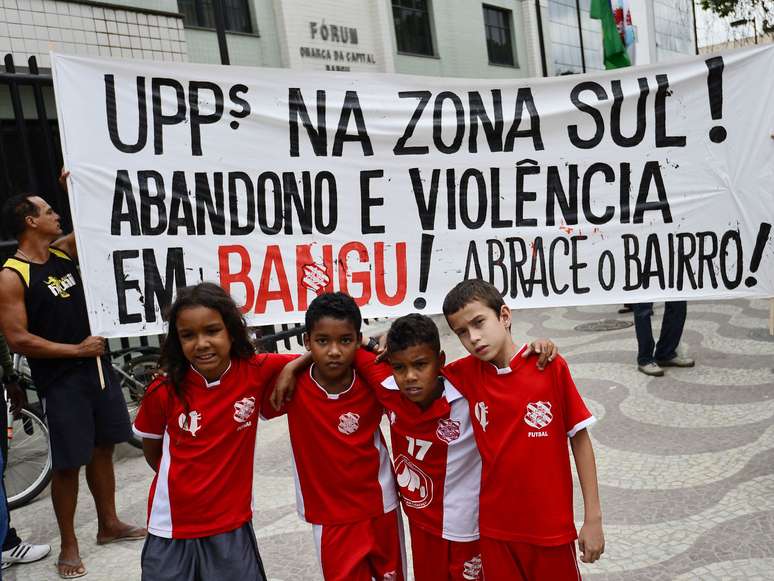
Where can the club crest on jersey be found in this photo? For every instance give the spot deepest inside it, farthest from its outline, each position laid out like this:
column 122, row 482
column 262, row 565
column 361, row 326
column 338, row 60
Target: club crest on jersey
column 482, row 411
column 349, row 423
column 243, row 410
column 538, row 414
column 393, row 417
column 472, row 568
column 448, row 430
column 416, row 487
column 190, row 423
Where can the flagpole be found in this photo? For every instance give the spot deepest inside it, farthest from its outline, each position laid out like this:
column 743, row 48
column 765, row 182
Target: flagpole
column 541, row 39
column 580, row 35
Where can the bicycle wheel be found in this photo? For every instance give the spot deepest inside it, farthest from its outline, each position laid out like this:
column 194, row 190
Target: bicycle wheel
column 28, row 470
column 135, row 376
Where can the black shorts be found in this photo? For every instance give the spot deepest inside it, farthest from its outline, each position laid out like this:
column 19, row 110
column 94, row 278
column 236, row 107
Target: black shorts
column 230, row 556
column 81, row 415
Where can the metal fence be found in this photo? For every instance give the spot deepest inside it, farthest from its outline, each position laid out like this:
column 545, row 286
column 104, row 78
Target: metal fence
column 30, row 153
column 31, row 160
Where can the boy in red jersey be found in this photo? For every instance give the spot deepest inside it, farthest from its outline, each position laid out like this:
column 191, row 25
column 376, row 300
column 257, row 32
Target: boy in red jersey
column 436, row 462
column 344, row 483
column 523, row 418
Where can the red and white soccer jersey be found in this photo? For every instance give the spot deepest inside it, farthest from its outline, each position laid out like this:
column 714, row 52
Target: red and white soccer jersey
column 203, row 486
column 436, row 461
column 523, row 417
column 340, row 460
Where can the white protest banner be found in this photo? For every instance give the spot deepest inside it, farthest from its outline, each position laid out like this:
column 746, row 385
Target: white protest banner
column 633, row 185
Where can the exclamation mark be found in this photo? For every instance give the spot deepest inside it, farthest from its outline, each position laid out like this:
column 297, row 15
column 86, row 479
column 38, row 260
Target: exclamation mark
column 760, row 244
column 715, row 89
column 424, row 268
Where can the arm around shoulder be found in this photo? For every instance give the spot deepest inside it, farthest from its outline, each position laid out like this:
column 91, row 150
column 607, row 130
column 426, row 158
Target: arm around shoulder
column 285, row 384
column 368, row 365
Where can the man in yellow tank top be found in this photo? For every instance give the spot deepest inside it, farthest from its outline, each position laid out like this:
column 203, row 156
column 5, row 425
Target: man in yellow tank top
column 43, row 316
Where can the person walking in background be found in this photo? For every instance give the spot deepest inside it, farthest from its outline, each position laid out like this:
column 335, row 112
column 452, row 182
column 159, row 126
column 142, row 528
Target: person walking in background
column 3, row 511
column 653, row 357
column 14, row 549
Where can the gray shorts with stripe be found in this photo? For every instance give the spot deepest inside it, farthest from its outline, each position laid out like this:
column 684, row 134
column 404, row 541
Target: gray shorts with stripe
column 231, row 556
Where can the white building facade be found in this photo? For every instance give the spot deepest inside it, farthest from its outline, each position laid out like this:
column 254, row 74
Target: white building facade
column 460, row 38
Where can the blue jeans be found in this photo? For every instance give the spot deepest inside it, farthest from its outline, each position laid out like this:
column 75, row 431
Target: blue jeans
column 671, row 331
column 3, row 510
column 12, row 539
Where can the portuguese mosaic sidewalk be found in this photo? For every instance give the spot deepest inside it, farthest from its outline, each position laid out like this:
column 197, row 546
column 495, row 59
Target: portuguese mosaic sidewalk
column 686, row 462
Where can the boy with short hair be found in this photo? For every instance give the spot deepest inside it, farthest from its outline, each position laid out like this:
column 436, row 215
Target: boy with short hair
column 344, row 482
column 523, row 418
column 436, row 462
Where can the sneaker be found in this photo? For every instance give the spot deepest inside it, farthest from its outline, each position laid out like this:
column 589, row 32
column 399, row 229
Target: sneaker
column 652, row 369
column 678, row 361
column 24, row 553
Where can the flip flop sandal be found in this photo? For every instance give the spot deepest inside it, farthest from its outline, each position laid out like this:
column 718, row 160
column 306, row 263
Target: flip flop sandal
column 131, row 534
column 76, row 564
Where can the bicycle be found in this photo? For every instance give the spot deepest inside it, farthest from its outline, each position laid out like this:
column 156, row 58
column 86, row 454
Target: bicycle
column 28, row 466
column 135, row 375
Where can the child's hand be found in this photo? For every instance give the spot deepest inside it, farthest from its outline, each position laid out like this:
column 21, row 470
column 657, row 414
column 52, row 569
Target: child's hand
column 591, row 541
column 381, row 348
column 545, row 349
column 376, row 344
column 284, row 388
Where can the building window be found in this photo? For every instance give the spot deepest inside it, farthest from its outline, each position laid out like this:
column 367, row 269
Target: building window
column 497, row 23
column 565, row 46
column 412, row 26
column 236, row 14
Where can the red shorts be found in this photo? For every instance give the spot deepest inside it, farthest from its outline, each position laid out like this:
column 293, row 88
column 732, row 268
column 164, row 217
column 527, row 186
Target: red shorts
column 438, row 559
column 526, row 562
column 363, row 550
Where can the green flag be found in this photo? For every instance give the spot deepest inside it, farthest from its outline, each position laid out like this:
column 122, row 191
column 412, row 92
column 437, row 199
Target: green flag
column 615, row 51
